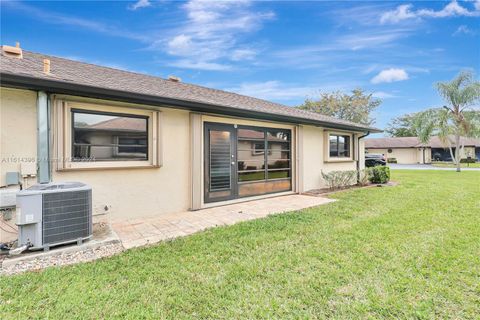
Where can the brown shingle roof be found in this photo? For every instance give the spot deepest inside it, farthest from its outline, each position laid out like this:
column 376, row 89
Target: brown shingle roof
column 414, row 142
column 83, row 74
column 130, row 124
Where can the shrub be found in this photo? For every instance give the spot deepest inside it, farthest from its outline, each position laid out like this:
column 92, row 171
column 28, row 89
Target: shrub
column 468, row 160
column 339, row 179
column 392, row 160
column 379, row 174
column 363, row 177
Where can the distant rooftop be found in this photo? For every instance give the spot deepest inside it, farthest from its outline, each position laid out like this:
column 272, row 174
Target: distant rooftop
column 414, row 142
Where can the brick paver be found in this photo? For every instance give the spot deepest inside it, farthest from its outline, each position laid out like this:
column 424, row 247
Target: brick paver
column 143, row 231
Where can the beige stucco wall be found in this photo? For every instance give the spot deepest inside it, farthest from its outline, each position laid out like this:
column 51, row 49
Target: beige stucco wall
column 18, row 144
column 428, row 155
column 18, row 130
column 134, row 192
column 468, row 152
column 313, row 158
column 403, row 155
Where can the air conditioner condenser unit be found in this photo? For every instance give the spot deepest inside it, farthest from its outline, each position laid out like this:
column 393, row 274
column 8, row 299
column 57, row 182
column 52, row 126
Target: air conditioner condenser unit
column 54, row 213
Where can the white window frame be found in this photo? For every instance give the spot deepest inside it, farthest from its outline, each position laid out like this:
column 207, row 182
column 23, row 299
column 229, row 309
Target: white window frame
column 63, row 136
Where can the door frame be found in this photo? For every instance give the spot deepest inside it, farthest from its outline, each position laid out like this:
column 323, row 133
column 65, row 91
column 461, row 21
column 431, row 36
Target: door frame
column 207, row 126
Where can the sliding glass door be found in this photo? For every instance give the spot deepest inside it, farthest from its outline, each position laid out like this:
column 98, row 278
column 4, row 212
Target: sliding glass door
column 264, row 160
column 246, row 161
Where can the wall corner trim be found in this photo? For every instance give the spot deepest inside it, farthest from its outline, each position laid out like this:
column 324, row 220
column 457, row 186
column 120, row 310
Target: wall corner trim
column 43, row 137
column 196, row 161
column 300, row 159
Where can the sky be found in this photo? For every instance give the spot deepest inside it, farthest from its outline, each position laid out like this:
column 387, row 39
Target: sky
column 284, row 51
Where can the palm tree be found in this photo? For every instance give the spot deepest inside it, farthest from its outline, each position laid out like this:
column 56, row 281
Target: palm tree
column 457, row 119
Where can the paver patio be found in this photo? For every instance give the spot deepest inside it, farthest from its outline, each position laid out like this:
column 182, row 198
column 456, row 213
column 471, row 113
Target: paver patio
column 140, row 232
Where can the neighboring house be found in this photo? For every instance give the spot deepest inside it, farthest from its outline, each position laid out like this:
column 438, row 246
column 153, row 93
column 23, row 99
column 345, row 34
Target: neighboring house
column 150, row 146
column 410, row 150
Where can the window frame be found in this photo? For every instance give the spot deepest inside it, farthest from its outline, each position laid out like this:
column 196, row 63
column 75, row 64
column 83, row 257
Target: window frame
column 259, row 151
column 328, row 157
column 64, row 135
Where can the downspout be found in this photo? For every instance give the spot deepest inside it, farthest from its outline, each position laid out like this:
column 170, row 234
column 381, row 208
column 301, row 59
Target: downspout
column 358, row 154
column 43, row 137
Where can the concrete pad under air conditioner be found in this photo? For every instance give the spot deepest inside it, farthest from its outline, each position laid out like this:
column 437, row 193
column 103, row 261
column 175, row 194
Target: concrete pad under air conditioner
column 103, row 236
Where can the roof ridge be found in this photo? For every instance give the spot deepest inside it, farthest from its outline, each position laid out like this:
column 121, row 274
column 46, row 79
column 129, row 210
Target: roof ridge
column 110, row 78
column 327, row 117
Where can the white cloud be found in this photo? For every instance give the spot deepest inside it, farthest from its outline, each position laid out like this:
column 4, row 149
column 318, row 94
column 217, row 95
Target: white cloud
column 243, row 54
column 383, row 95
column 200, row 65
column 180, row 45
column 406, row 12
column 140, row 4
column 477, row 5
column 390, row 75
column 274, row 90
column 463, row 29
column 402, row 12
column 211, row 33
column 450, row 10
column 372, row 39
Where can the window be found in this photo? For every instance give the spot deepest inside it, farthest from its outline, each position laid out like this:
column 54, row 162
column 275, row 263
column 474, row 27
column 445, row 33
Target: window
column 100, row 136
column 254, row 164
column 258, row 148
column 339, row 146
column 91, row 136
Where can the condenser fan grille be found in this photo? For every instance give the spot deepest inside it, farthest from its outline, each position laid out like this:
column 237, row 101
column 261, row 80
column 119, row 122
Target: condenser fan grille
column 66, row 216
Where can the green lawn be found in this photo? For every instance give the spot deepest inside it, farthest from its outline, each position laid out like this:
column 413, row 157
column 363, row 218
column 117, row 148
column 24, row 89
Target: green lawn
column 451, row 165
column 410, row 251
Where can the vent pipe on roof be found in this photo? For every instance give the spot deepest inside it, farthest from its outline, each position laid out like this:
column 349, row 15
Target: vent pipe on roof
column 15, row 52
column 46, row 66
column 174, row 79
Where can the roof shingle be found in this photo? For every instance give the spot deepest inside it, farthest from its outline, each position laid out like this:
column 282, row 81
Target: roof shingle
column 80, row 73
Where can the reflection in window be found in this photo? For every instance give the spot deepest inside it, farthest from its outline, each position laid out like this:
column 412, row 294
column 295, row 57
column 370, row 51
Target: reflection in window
column 109, row 136
column 339, row 146
column 253, row 164
column 258, row 148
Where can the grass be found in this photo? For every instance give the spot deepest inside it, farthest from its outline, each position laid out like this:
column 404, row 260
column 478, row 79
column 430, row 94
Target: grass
column 256, row 176
column 451, row 165
column 410, row 251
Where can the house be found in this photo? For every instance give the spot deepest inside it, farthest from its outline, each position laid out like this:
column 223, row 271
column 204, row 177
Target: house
column 151, row 146
column 410, row 150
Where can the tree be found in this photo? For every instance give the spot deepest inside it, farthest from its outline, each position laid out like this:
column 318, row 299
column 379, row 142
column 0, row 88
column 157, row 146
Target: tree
column 402, row 126
column 355, row 107
column 457, row 119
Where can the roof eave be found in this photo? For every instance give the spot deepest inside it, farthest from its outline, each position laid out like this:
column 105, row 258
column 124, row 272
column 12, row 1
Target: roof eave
column 64, row 87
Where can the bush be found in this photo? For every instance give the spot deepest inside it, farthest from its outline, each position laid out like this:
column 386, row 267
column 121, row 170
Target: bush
column 340, row 179
column 380, row 174
column 468, row 160
column 392, row 160
column 363, row 177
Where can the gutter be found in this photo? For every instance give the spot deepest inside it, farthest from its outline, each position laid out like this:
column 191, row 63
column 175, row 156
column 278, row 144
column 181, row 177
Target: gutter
column 358, row 154
column 71, row 88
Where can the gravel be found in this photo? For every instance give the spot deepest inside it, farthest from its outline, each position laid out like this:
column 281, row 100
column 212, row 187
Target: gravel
column 62, row 259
